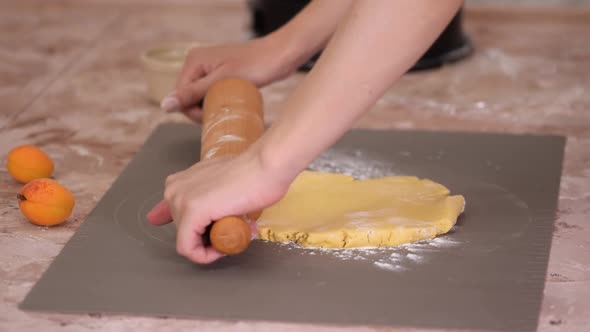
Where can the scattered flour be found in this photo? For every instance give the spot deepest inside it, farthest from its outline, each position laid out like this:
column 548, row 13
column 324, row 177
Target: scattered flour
column 211, row 153
column 221, row 119
column 354, row 163
column 80, row 150
column 389, row 266
column 415, row 257
column 443, row 242
column 229, row 138
column 84, row 152
column 396, row 259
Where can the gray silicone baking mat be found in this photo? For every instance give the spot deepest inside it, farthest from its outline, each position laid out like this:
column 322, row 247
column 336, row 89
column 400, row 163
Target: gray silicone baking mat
column 488, row 273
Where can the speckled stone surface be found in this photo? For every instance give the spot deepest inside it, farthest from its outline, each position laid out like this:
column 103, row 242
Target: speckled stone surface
column 71, row 82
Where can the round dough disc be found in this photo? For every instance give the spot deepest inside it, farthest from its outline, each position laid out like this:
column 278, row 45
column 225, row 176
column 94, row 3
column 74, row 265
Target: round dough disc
column 329, row 210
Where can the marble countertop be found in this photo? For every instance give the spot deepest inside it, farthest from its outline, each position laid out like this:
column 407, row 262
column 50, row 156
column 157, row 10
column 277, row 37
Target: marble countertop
column 71, row 82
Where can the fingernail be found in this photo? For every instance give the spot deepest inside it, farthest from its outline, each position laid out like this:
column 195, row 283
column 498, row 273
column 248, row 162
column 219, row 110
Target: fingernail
column 170, row 104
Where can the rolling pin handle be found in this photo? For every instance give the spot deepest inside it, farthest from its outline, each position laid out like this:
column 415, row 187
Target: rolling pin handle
column 230, row 235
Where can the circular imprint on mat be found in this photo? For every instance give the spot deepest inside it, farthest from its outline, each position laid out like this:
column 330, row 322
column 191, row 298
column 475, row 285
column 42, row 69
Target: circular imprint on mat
column 131, row 214
column 494, row 217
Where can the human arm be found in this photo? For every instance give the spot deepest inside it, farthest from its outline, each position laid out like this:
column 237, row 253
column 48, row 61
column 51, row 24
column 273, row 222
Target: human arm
column 262, row 60
column 376, row 44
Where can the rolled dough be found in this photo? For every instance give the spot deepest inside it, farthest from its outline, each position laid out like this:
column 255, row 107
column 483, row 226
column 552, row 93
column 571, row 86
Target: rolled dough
column 336, row 211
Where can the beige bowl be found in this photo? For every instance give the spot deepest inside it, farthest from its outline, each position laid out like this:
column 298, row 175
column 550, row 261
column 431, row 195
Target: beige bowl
column 161, row 68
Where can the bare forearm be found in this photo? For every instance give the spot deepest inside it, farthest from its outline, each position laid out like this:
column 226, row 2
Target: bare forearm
column 310, row 29
column 376, row 44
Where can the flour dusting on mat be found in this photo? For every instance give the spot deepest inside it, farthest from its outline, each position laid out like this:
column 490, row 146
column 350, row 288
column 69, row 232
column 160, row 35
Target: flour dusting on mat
column 355, row 163
column 396, row 259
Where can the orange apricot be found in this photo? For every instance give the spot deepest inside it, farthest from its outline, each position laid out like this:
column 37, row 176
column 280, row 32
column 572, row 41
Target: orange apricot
column 45, row 202
column 28, row 162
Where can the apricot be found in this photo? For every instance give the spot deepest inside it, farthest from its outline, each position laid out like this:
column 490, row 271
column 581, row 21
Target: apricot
column 28, row 162
column 45, row 202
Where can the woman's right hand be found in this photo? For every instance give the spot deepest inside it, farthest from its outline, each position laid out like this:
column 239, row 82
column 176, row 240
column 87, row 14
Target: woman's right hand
column 260, row 61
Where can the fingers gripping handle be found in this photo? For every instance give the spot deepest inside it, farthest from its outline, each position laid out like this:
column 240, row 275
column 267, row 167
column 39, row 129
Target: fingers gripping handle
column 232, row 121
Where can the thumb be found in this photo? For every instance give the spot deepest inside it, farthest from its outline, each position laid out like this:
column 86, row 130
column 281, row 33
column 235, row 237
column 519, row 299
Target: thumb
column 188, row 95
column 160, row 214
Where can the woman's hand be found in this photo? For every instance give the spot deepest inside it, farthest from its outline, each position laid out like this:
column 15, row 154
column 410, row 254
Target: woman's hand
column 260, row 61
column 211, row 190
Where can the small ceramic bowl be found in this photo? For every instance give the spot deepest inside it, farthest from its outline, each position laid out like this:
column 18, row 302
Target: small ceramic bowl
column 161, row 68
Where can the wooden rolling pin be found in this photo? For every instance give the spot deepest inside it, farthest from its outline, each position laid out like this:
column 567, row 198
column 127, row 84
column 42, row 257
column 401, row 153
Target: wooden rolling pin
column 232, row 120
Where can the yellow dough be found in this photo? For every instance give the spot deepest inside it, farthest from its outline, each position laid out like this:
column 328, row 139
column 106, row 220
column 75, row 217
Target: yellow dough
column 336, row 211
